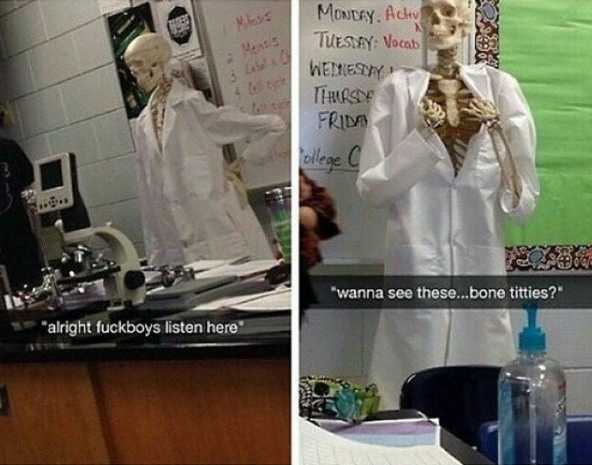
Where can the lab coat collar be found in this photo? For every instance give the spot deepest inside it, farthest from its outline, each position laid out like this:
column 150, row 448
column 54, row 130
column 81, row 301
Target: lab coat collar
column 176, row 96
column 177, row 93
column 477, row 80
column 147, row 124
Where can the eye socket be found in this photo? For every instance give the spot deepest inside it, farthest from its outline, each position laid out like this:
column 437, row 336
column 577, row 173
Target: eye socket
column 448, row 11
column 426, row 11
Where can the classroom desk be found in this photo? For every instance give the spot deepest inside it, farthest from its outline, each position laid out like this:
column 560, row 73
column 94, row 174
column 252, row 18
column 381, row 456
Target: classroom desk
column 217, row 400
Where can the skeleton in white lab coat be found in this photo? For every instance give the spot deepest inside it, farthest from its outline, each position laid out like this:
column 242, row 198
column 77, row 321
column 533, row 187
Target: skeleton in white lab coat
column 190, row 209
column 449, row 154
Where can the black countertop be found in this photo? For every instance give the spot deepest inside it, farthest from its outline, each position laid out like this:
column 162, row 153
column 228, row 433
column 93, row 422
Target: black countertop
column 263, row 347
column 32, row 342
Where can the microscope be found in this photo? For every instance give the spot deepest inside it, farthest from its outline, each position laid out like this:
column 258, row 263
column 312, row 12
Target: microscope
column 56, row 191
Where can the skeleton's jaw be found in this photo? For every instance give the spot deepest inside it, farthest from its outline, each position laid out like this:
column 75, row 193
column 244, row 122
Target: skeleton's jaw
column 444, row 39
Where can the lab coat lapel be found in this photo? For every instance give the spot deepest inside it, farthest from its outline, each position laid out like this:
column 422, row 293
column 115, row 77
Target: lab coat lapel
column 176, row 96
column 418, row 82
column 145, row 121
column 476, row 79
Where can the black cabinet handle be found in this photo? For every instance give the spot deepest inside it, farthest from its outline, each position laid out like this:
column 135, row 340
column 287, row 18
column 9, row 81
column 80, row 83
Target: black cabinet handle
column 4, row 404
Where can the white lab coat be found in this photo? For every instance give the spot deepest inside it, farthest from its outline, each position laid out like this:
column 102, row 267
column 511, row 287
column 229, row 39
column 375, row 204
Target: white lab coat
column 189, row 209
column 442, row 225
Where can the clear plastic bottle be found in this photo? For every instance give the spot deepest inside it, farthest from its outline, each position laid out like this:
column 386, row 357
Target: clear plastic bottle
column 531, row 403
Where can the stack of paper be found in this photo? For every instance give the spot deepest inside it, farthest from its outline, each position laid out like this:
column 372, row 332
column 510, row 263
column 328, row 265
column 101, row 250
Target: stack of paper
column 243, row 270
column 319, row 447
column 392, row 433
column 268, row 300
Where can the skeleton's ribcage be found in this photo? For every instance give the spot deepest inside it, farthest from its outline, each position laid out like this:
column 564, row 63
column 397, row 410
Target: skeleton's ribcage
column 455, row 138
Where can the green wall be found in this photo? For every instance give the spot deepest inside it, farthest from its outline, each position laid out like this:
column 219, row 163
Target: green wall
column 547, row 46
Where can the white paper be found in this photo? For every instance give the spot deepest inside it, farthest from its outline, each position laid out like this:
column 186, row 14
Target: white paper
column 274, row 300
column 112, row 6
column 243, row 270
column 319, row 447
column 205, row 265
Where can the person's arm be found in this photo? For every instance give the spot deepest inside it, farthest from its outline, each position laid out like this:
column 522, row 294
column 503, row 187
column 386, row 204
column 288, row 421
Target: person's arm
column 308, row 218
column 393, row 159
column 519, row 131
column 322, row 205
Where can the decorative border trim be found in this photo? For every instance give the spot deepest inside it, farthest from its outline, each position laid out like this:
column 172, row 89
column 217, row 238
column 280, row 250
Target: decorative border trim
column 487, row 40
column 549, row 258
column 523, row 257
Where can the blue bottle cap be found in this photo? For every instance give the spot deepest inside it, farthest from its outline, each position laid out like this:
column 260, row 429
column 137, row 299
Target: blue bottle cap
column 532, row 338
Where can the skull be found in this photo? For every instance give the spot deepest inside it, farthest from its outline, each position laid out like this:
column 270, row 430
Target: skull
column 146, row 57
column 446, row 22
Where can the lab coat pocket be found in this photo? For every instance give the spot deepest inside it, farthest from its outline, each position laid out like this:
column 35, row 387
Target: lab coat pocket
column 413, row 260
column 487, row 260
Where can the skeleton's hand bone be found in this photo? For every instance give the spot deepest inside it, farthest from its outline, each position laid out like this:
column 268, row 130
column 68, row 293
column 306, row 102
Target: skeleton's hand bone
column 432, row 113
column 486, row 113
column 483, row 111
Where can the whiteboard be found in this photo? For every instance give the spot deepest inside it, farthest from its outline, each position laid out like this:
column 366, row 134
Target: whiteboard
column 346, row 48
column 249, row 42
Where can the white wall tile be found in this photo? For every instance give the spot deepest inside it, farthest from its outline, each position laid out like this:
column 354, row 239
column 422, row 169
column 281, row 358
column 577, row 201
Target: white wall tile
column 3, row 53
column 6, row 6
column 113, row 134
column 20, row 3
column 54, row 61
column 563, row 327
column 64, row 15
column 124, row 216
column 331, row 343
column 579, row 401
column 92, row 180
column 41, row 112
column 18, row 78
column 109, row 182
column 371, row 321
column 79, row 139
column 23, row 28
column 36, row 147
column 93, row 45
column 122, row 182
column 92, row 94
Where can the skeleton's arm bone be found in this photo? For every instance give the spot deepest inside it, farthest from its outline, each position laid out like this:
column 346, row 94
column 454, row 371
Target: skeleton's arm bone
column 486, row 113
column 520, row 134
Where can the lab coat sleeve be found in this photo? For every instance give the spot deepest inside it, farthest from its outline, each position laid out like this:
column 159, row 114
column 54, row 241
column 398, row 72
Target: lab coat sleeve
column 519, row 129
column 227, row 124
column 393, row 161
column 150, row 244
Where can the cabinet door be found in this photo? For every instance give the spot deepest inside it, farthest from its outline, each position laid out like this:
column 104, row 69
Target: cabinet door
column 218, row 411
column 52, row 416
